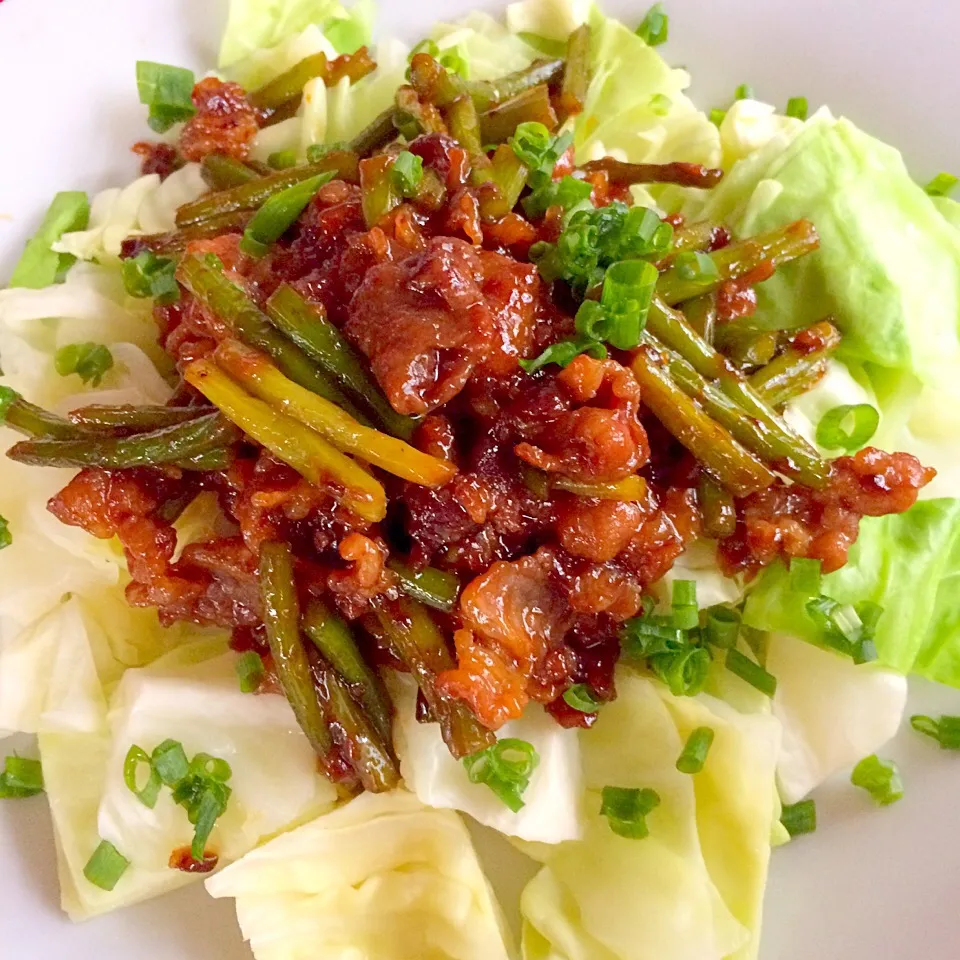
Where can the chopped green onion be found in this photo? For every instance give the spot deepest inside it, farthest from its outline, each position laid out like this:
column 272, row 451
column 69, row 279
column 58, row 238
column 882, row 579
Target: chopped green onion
column 686, row 613
column 531, row 142
column 799, row 818
column 40, row 266
column 204, row 797
column 506, row 768
column 942, row 185
column 848, row 426
column 279, row 214
column 722, row 626
column 282, row 160
column 6, row 537
column 428, row 47
column 581, row 697
column 106, row 866
column 660, row 104
column 696, row 265
column 167, row 91
column 647, row 636
column 628, row 287
column 406, row 173
column 805, row 576
column 569, row 192
column 842, row 629
column 317, row 151
column 655, row 28
column 250, row 671
column 880, row 778
column 21, row 778
column 798, row 108
column 148, row 793
column 626, row 810
column 684, row 672
column 945, row 730
column 89, row 361
column 455, row 62
column 205, row 765
column 147, row 275
column 744, row 92
column 563, row 352
column 752, row 673
column 717, row 116
column 695, row 752
column 170, row 762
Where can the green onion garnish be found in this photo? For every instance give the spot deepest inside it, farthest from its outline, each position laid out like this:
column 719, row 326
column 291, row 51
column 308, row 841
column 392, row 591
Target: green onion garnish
column 695, row 752
column 406, row 173
column 280, row 213
column 250, row 671
column 455, row 62
column 648, row 636
column 567, row 193
column 106, row 866
column 941, row 185
column 21, row 778
column 213, row 768
column 945, row 730
column 563, row 352
column 205, row 799
column 167, row 91
column 805, row 576
column 744, row 92
column 506, row 768
column 722, row 626
column 758, row 678
column 626, row 810
column 6, row 537
column 628, row 287
column 799, row 818
column 170, row 762
column 880, row 778
column 686, row 613
column 717, row 116
column 39, row 266
column 684, row 672
column 660, row 104
column 581, row 697
column 655, row 28
column 798, row 108
column 531, row 143
column 848, row 427
column 89, row 361
column 843, row 629
column 147, row 275
column 148, row 793
column 426, row 46
column 696, row 265
column 282, row 160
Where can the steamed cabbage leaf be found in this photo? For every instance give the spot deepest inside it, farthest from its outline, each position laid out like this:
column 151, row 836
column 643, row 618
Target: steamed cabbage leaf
column 910, row 565
column 834, row 712
column 382, row 878
column 692, row 889
column 551, row 811
column 191, row 695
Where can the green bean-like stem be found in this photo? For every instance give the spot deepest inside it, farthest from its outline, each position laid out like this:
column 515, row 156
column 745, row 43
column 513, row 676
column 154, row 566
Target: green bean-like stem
column 699, row 235
column 175, row 242
column 307, row 326
column 256, row 374
column 333, row 638
column 435, row 588
column 738, row 259
column 509, row 176
column 307, row 452
column 377, row 134
column 177, row 445
column 34, row 421
column 464, row 124
column 736, row 468
column 129, row 417
column 576, row 74
column 793, row 456
column 289, row 85
column 489, row 92
column 416, row 640
column 376, row 186
column 499, row 123
column 682, row 174
column 628, row 489
column 433, row 82
column 746, row 348
column 701, row 314
column 717, row 508
column 796, row 371
column 414, row 116
column 214, row 289
column 221, row 172
column 366, row 751
column 281, row 617
column 252, row 195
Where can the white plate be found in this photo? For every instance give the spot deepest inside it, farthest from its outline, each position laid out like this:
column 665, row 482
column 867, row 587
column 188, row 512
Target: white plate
column 870, row 885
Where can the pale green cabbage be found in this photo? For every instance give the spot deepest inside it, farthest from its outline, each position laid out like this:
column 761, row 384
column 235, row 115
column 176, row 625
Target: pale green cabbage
column 382, row 878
